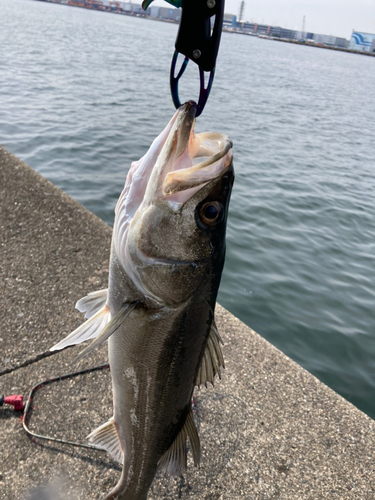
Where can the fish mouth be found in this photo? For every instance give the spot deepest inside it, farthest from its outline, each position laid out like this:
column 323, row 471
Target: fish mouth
column 187, row 161
column 177, row 165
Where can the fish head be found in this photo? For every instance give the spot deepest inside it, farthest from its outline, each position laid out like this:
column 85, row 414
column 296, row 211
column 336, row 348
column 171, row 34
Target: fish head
column 170, row 225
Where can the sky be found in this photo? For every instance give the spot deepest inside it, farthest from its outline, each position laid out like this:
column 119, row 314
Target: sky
column 326, row 17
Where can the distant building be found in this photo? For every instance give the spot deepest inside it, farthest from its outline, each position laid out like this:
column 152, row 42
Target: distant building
column 169, row 13
column 364, row 42
column 325, row 39
column 154, row 11
column 304, row 35
column 341, row 42
column 130, row 7
column 264, row 30
column 257, row 29
column 127, row 7
column 278, row 32
column 229, row 21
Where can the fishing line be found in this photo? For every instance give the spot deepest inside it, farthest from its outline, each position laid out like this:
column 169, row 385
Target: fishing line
column 38, row 386
column 29, row 361
column 17, row 402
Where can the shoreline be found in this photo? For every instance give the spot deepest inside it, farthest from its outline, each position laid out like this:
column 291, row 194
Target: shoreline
column 225, row 29
column 297, row 42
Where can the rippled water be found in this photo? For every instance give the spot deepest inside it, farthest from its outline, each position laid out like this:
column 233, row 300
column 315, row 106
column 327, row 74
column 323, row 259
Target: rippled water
column 83, row 94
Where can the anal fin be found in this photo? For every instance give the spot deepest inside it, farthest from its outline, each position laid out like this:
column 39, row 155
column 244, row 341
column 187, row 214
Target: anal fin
column 106, row 438
column 212, row 359
column 174, row 459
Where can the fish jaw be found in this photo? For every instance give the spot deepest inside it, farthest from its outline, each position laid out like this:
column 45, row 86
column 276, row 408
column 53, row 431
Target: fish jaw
column 186, row 162
column 176, row 153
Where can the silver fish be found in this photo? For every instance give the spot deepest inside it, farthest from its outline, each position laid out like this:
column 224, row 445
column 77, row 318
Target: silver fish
column 167, row 255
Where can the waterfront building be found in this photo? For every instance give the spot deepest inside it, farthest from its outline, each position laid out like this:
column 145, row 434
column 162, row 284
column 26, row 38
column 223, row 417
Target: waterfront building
column 284, row 33
column 165, row 13
column 131, row 7
column 341, row 42
column 364, row 42
column 229, row 21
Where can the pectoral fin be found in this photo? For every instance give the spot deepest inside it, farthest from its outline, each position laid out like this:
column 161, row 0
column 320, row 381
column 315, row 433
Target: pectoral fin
column 174, row 459
column 112, row 326
column 88, row 330
column 92, row 302
column 212, row 359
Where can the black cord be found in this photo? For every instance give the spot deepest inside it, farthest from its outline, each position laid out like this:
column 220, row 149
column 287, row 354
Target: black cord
column 30, row 361
column 26, row 415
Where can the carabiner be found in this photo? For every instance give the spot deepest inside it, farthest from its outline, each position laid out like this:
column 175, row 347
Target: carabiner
column 198, row 39
column 199, row 42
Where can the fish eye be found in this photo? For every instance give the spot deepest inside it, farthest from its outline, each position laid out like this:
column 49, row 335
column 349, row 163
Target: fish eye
column 210, row 212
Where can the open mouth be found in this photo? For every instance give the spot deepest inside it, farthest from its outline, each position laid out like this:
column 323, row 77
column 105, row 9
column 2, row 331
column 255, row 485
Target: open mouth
column 187, row 161
column 211, row 161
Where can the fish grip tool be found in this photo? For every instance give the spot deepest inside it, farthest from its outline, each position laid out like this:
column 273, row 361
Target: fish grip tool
column 198, row 39
column 28, row 406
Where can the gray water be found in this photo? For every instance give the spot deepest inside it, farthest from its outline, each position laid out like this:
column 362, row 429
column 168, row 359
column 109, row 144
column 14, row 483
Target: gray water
column 84, row 93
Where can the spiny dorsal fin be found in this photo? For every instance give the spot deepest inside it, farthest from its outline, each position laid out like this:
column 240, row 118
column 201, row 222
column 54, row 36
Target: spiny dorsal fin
column 92, row 302
column 212, row 359
column 174, row 459
column 88, row 330
column 106, row 438
column 112, row 326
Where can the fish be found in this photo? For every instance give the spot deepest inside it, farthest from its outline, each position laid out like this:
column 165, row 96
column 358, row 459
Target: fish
column 166, row 261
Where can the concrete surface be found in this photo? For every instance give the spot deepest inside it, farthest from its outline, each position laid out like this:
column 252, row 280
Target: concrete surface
column 269, row 430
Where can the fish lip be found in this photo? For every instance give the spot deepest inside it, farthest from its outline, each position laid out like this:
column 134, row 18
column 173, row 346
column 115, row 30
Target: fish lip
column 184, row 124
column 173, row 150
column 188, row 110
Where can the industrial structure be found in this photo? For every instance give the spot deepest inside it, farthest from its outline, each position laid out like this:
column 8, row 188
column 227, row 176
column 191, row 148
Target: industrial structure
column 241, row 12
column 265, row 30
column 360, row 42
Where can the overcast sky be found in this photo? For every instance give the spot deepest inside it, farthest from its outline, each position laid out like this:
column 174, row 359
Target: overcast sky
column 327, row 17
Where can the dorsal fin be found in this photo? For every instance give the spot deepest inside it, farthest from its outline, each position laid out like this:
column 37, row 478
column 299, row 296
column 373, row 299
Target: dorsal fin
column 212, row 359
column 106, row 438
column 174, row 459
column 92, row 302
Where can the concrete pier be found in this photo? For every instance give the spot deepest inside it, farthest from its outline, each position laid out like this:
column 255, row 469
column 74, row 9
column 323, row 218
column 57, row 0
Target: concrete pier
column 269, row 429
